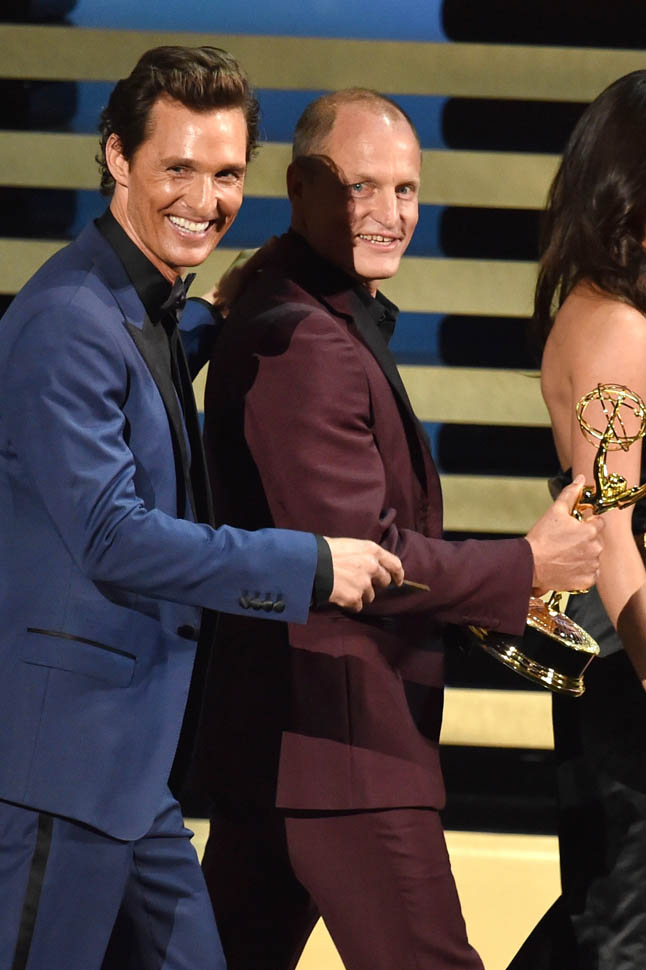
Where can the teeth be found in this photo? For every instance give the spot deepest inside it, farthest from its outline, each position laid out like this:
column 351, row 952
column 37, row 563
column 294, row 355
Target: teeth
column 187, row 224
column 375, row 238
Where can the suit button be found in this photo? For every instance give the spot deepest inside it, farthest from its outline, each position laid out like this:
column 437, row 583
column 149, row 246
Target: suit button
column 244, row 602
column 268, row 605
column 279, row 606
column 187, row 632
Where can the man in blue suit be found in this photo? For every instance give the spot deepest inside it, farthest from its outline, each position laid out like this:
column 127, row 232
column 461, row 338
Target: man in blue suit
column 107, row 556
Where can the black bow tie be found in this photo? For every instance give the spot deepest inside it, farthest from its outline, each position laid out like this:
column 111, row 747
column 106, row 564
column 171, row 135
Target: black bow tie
column 176, row 299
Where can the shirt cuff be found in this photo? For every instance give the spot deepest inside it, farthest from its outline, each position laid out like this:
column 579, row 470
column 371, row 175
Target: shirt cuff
column 324, row 578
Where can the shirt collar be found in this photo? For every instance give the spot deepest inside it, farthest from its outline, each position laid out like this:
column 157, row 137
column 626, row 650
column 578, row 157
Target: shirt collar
column 381, row 309
column 152, row 288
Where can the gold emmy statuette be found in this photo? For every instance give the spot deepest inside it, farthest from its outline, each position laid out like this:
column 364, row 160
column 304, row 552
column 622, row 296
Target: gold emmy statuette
column 554, row 651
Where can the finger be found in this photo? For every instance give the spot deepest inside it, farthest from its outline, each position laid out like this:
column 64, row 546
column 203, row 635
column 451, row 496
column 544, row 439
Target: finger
column 368, row 595
column 357, row 603
column 382, row 577
column 570, row 495
column 393, row 564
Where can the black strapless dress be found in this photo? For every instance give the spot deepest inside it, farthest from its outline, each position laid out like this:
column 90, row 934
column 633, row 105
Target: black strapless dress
column 599, row 921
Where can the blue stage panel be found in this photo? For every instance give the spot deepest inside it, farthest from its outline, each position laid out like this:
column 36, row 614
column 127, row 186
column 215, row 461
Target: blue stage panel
column 416, row 339
column 372, row 19
column 280, row 110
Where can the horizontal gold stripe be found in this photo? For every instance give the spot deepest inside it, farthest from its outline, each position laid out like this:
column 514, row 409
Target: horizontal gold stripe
column 494, row 179
column 471, row 395
column 464, row 395
column 66, row 161
column 20, row 258
column 30, row 159
column 494, row 287
column 471, row 70
column 497, row 718
column 483, row 503
column 525, row 873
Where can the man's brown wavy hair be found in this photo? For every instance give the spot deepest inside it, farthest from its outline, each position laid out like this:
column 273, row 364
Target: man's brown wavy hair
column 201, row 78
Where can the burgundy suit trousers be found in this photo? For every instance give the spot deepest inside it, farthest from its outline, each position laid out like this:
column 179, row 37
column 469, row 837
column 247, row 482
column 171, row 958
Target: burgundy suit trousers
column 381, row 880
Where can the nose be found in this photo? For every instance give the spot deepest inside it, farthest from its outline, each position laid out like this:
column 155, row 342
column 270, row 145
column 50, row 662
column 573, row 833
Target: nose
column 386, row 209
column 203, row 197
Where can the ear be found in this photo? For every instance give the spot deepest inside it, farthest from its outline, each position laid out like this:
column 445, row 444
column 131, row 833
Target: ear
column 118, row 166
column 294, row 181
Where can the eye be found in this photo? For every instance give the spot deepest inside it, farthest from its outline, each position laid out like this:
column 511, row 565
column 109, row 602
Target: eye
column 406, row 191
column 358, row 189
column 232, row 175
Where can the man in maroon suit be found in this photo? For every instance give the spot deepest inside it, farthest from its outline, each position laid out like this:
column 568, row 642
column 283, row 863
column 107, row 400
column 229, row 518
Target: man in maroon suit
column 320, row 743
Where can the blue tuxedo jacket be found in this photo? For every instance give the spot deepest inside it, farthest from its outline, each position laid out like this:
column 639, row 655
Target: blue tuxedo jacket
column 102, row 581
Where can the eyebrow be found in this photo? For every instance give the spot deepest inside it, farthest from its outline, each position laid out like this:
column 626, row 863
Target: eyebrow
column 354, row 179
column 190, row 163
column 237, row 169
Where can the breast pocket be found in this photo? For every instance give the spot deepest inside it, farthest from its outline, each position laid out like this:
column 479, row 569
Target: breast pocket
column 63, row 651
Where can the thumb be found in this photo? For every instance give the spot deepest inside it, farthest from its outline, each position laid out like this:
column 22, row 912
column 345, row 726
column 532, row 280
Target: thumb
column 571, row 494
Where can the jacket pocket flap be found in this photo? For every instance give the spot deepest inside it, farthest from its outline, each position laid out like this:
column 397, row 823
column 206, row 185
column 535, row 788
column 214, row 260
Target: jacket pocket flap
column 63, row 651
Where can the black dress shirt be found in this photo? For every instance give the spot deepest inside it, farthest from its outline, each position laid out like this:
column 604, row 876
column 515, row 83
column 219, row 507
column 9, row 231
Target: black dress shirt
column 381, row 309
column 153, row 289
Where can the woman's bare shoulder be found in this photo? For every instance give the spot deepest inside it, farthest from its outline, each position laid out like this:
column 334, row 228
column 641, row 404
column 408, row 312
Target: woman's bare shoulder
column 597, row 339
column 588, row 314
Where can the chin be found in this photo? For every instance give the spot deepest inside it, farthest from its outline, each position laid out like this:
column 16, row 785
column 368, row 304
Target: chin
column 381, row 271
column 191, row 256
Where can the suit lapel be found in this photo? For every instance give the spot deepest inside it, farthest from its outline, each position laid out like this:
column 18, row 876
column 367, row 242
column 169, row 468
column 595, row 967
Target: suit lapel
column 379, row 349
column 152, row 344
column 330, row 287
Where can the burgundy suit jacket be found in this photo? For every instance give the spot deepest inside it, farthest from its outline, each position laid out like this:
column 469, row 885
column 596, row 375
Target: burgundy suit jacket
column 308, row 426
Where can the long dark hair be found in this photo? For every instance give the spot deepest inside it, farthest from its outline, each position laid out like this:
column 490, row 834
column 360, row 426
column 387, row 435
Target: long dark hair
column 595, row 222
column 201, row 78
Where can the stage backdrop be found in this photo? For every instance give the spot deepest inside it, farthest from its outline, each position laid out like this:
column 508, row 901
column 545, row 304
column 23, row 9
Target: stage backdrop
column 494, row 88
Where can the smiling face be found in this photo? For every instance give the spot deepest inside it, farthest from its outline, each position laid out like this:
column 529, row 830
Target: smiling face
column 182, row 188
column 356, row 200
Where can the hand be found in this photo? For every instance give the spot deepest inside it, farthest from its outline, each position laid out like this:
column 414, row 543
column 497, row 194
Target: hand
column 234, row 279
column 359, row 565
column 566, row 551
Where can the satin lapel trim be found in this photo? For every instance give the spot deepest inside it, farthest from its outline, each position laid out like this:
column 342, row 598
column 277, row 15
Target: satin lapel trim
column 348, row 305
column 152, row 344
column 379, row 350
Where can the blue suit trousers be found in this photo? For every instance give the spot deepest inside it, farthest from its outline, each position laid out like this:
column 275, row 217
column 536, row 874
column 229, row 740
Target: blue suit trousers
column 74, row 898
